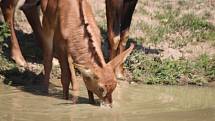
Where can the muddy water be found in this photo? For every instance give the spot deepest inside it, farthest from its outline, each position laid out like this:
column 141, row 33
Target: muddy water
column 132, row 103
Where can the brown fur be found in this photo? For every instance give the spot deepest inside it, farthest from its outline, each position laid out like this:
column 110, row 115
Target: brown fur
column 119, row 15
column 8, row 9
column 72, row 34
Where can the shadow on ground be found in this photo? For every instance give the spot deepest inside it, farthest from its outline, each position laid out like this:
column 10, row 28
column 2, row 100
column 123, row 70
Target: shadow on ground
column 29, row 47
column 30, row 82
column 138, row 46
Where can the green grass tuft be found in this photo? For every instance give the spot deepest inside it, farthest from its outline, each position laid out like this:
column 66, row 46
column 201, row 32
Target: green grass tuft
column 153, row 70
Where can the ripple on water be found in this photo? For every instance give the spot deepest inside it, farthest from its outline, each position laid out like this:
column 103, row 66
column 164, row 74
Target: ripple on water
column 131, row 103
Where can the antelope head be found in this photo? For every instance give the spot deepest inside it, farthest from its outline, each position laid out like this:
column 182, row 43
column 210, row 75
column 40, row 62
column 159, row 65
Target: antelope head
column 101, row 80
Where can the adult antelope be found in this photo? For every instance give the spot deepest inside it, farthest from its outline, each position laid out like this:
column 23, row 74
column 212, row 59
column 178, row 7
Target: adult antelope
column 8, row 8
column 72, row 35
column 119, row 15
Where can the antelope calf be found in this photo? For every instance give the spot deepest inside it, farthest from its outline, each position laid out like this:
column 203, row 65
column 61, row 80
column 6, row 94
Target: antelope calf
column 70, row 33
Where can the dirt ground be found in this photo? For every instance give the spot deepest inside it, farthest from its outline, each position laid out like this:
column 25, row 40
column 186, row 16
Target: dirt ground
column 144, row 13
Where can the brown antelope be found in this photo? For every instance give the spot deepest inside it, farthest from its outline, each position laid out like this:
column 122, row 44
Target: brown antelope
column 71, row 33
column 8, row 8
column 119, row 15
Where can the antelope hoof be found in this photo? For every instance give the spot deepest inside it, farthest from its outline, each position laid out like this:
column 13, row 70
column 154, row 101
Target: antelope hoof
column 19, row 60
column 74, row 99
column 92, row 101
column 45, row 89
column 45, row 85
column 120, row 76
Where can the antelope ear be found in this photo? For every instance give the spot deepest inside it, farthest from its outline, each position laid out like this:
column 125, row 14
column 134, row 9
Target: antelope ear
column 121, row 57
column 86, row 72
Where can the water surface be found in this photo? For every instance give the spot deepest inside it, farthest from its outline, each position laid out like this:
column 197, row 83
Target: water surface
column 131, row 103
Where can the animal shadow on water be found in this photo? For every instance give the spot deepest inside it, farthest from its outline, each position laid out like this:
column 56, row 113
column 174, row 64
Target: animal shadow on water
column 30, row 82
column 26, row 80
